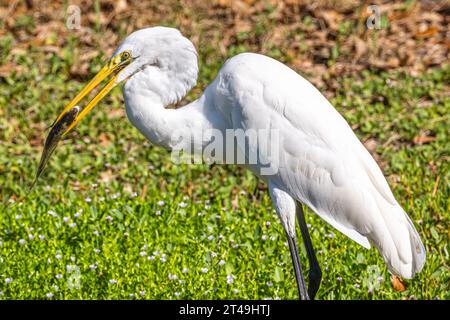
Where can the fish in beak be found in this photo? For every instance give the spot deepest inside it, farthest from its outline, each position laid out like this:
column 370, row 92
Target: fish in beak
column 72, row 114
column 53, row 138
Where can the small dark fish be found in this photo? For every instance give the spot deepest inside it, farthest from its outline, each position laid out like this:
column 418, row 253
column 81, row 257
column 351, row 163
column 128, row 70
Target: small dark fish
column 53, row 138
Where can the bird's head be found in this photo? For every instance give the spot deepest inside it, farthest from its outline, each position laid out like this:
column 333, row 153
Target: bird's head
column 157, row 48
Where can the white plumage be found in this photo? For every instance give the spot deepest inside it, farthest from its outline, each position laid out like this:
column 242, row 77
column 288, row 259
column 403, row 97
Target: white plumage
column 321, row 163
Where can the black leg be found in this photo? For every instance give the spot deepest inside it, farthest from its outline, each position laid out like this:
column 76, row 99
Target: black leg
column 315, row 274
column 297, row 267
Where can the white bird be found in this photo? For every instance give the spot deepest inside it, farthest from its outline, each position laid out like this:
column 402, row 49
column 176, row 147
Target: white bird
column 320, row 162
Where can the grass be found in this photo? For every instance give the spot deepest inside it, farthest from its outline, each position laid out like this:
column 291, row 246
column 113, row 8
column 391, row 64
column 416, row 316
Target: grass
column 114, row 218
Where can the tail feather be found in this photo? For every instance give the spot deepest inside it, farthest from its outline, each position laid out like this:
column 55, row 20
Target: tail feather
column 399, row 243
column 419, row 254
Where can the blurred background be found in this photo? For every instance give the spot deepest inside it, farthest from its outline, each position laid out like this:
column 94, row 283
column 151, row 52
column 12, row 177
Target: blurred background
column 383, row 64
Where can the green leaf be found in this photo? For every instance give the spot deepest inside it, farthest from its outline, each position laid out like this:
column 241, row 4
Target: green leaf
column 434, row 233
column 278, row 274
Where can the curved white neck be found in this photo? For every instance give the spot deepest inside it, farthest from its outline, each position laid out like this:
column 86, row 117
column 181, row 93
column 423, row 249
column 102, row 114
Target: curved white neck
column 147, row 94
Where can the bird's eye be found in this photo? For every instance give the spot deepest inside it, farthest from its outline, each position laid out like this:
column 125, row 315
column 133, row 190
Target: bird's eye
column 125, row 55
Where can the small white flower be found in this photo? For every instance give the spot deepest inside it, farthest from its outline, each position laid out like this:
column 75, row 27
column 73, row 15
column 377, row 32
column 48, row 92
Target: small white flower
column 357, row 285
column 211, row 238
column 185, row 270
column 49, row 295
column 182, row 204
column 173, row 277
column 264, row 237
column 204, row 270
column 158, row 212
column 131, row 295
column 109, row 218
column 31, row 236
column 142, row 293
column 269, row 284
column 221, row 262
column 134, row 195
column 331, row 235
column 339, row 279
column 66, row 219
column 52, row 213
column 55, row 287
column 161, row 203
column 213, row 254
column 151, row 257
column 209, row 228
column 380, row 279
column 87, row 199
column 8, row 280
column 93, row 266
column 18, row 217
column 112, row 281
column 72, row 258
column 230, row 279
column 77, row 215
column 267, row 224
column 236, row 291
column 22, row 242
column 59, row 276
column 221, row 237
column 272, row 238
column 97, row 251
column 96, row 233
column 41, row 237
column 156, row 253
column 163, row 258
column 177, row 294
column 72, row 225
column 142, row 253
column 58, row 256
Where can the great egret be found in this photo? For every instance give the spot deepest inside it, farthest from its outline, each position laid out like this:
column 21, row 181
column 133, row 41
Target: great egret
column 320, row 162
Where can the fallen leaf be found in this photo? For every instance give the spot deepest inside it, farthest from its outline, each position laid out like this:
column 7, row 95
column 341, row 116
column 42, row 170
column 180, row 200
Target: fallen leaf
column 6, row 70
column 120, row 6
column 398, row 284
column 104, row 140
column 423, row 139
column 431, row 31
column 106, row 176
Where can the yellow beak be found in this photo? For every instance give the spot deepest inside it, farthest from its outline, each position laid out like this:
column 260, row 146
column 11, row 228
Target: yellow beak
column 115, row 64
